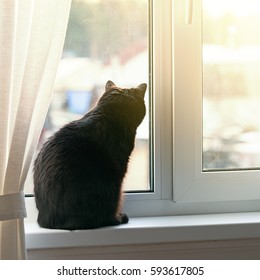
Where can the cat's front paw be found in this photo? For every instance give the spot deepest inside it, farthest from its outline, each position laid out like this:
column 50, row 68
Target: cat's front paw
column 123, row 218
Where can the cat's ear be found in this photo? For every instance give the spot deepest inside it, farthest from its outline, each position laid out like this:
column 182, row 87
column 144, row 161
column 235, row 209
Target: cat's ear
column 109, row 85
column 142, row 88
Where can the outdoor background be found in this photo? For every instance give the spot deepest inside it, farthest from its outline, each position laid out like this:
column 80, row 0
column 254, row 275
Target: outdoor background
column 231, row 84
column 105, row 40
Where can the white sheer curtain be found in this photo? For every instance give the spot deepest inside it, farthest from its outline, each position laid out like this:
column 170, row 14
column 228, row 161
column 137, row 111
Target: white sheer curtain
column 31, row 39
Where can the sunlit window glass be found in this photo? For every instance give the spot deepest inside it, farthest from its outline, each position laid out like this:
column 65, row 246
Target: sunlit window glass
column 231, row 84
column 105, row 40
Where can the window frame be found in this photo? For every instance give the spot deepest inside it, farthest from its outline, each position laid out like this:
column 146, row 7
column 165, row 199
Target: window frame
column 196, row 185
column 160, row 81
column 180, row 187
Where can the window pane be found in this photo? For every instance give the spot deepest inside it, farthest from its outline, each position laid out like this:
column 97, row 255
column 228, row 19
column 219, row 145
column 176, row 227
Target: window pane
column 105, row 40
column 231, row 84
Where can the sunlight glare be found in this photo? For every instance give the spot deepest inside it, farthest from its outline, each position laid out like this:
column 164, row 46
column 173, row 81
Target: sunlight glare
column 238, row 8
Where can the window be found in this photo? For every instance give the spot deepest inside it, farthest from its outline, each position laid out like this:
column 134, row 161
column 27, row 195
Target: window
column 97, row 49
column 202, row 68
column 214, row 88
column 231, row 70
column 184, row 184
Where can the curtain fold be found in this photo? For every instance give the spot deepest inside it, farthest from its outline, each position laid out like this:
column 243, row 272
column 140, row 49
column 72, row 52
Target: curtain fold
column 32, row 34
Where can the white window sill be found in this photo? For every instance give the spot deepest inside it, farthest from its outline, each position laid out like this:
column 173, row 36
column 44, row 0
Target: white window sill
column 150, row 230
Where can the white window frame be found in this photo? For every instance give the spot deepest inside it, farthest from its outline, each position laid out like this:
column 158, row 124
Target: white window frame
column 190, row 183
column 137, row 204
column 179, row 185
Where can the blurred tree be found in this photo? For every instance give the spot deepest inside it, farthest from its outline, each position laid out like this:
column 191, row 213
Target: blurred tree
column 100, row 29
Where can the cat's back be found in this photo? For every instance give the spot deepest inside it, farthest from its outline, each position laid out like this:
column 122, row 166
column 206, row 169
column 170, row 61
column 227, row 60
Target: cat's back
column 72, row 141
column 77, row 151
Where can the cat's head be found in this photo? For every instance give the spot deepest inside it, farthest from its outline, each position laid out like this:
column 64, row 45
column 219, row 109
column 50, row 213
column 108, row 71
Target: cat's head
column 125, row 103
column 141, row 89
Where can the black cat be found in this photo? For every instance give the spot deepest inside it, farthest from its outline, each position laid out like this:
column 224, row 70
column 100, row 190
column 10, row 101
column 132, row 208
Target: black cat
column 79, row 171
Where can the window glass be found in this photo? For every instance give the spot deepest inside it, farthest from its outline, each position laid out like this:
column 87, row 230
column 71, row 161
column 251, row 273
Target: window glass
column 231, row 83
column 105, row 40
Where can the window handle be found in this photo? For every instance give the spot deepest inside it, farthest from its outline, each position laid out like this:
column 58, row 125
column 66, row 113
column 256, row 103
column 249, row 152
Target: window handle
column 189, row 11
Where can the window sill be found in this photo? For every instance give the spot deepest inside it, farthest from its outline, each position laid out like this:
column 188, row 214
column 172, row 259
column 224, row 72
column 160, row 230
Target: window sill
column 150, row 230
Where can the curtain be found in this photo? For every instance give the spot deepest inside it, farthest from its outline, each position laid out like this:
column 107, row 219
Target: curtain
column 32, row 34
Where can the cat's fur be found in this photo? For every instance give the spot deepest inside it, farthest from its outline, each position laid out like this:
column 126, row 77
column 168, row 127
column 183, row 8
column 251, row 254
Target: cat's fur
column 79, row 171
